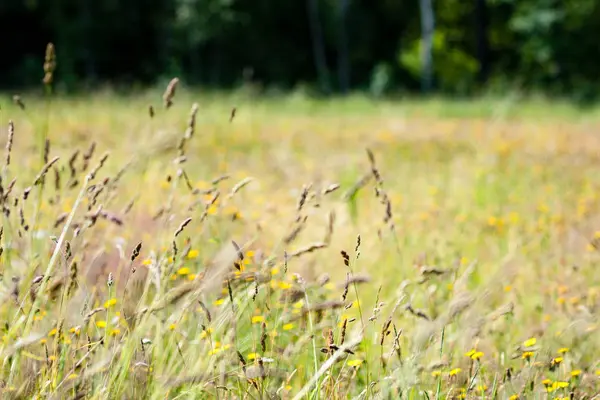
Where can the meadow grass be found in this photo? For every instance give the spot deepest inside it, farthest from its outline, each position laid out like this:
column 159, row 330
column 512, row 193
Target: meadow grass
column 298, row 248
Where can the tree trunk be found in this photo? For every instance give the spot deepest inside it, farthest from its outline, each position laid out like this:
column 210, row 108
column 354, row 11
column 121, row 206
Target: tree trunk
column 318, row 44
column 427, row 29
column 343, row 59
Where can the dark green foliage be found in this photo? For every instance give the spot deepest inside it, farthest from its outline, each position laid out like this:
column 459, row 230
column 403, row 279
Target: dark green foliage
column 536, row 44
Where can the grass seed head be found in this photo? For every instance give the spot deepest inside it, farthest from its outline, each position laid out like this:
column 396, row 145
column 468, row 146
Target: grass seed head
column 170, row 93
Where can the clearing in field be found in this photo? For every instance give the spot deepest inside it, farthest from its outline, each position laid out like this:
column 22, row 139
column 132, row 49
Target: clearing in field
column 296, row 248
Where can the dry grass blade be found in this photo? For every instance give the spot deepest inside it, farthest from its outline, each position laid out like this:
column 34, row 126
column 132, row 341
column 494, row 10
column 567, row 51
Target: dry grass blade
column 18, row 101
column 182, row 226
column 39, row 178
column 354, row 279
column 219, row 179
column 417, row 313
column 501, row 311
column 189, row 132
column 303, row 196
column 9, row 141
column 240, row 185
column 299, row 226
column 361, row 183
column 328, row 364
column 55, row 254
column 170, row 93
column 100, row 165
column 307, row 249
column 87, row 156
column 331, row 188
column 49, row 64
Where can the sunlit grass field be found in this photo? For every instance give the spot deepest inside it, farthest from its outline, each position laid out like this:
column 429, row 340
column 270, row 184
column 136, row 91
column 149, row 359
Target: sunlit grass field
column 283, row 247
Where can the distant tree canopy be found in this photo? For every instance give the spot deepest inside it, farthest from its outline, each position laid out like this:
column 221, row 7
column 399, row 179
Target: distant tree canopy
column 453, row 46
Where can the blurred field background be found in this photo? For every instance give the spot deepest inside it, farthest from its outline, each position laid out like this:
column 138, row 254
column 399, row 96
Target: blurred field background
column 383, row 200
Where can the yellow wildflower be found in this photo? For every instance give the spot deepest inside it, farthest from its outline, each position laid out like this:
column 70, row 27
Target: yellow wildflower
column 288, row 327
column 547, row 317
column 562, row 289
column 115, row 332
column 527, row 355
column 172, row 327
column 101, row 324
column 530, row 342
column 590, row 248
column 557, row 360
column 575, row 373
column 212, row 210
column 52, row 332
column 355, row 363
column 183, row 271
column 563, row 350
column 110, row 302
column 205, row 333
column 454, row 372
column 219, row 302
column 147, row 262
column 298, row 304
column 192, row 254
column 514, row 397
column 284, row 285
column 253, row 356
column 477, row 355
column 257, row 319
column 72, row 376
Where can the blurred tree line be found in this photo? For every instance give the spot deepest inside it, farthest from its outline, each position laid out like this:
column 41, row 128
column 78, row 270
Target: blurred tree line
column 454, row 46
